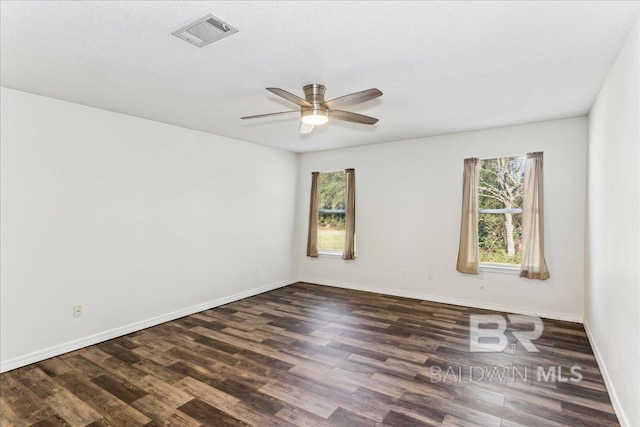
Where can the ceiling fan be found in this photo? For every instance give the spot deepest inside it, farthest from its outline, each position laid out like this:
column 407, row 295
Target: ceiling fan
column 314, row 110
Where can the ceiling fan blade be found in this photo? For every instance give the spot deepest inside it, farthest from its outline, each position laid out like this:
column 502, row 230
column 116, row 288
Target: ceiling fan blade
column 353, row 99
column 270, row 114
column 348, row 116
column 305, row 128
column 289, row 96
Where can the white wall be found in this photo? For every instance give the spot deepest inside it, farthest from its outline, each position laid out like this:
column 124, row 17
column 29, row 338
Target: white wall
column 612, row 293
column 136, row 220
column 408, row 217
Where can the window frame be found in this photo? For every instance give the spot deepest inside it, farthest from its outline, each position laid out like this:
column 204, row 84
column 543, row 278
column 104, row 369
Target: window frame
column 328, row 252
column 496, row 267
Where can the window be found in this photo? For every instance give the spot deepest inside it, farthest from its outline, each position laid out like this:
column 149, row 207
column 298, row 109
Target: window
column 500, row 211
column 331, row 211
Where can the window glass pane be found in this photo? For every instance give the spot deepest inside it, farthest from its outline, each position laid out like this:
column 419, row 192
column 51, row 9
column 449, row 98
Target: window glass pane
column 331, row 211
column 501, row 187
column 495, row 241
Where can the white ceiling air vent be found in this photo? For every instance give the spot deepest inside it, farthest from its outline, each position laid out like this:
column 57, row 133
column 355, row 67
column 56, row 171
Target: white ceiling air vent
column 205, row 30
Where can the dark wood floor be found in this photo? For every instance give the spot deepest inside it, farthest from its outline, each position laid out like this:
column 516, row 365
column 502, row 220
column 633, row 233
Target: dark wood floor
column 309, row 355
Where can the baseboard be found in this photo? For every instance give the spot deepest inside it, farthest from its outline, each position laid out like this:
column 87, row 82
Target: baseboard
column 445, row 300
column 624, row 422
column 59, row 349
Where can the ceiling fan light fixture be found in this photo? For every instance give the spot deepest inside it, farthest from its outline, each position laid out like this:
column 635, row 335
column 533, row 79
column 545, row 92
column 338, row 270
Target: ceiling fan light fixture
column 315, row 116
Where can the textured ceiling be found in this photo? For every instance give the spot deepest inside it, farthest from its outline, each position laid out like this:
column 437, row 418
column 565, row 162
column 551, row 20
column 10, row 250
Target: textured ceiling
column 444, row 67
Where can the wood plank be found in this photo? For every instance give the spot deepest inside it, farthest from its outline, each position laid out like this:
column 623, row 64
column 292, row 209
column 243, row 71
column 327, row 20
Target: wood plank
column 163, row 414
column 72, row 409
column 299, row 398
column 112, row 409
column 209, row 415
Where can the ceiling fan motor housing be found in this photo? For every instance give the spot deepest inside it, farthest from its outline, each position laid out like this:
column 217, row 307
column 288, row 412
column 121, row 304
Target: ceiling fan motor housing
column 316, row 115
column 314, row 94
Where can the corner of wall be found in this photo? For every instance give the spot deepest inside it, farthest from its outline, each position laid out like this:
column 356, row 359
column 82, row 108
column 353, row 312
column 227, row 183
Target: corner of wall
column 612, row 246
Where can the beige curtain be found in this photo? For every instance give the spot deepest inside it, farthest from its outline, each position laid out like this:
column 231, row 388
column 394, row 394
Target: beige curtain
column 350, row 230
column 312, row 237
column 468, row 257
column 533, row 263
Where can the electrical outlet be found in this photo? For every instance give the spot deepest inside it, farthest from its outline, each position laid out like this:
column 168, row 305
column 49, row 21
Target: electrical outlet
column 258, row 270
column 403, row 272
column 429, row 276
column 77, row 311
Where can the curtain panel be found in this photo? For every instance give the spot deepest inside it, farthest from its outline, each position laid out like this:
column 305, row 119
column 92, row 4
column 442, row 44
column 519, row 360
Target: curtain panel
column 534, row 265
column 350, row 229
column 312, row 236
column 468, row 252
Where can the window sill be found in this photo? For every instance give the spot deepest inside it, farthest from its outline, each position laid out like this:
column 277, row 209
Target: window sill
column 500, row 268
column 330, row 254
